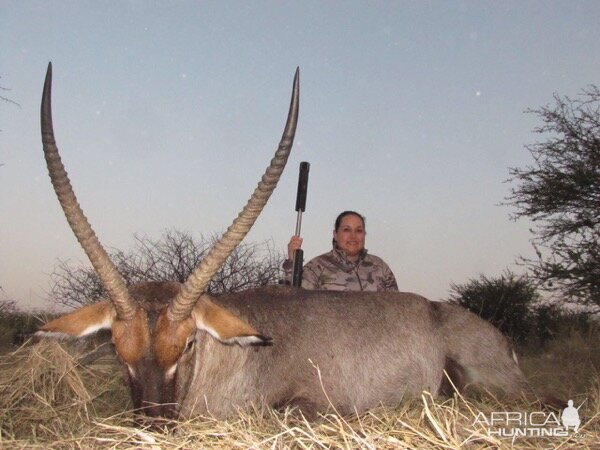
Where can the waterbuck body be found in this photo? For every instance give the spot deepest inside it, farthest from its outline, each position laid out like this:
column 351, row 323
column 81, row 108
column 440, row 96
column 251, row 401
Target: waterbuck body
column 185, row 353
column 347, row 351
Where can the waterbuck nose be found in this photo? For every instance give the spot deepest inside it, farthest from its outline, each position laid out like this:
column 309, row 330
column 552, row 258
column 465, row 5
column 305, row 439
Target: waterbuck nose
column 152, row 410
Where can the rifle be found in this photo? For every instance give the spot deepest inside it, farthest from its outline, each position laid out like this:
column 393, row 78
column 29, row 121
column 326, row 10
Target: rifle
column 300, row 207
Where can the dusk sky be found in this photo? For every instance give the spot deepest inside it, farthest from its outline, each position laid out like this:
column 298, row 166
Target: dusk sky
column 166, row 114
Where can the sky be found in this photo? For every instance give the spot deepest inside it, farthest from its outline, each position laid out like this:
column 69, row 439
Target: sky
column 166, row 114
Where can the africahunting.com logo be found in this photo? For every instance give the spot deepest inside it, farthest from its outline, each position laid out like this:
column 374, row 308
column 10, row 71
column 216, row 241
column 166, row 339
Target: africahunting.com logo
column 515, row 424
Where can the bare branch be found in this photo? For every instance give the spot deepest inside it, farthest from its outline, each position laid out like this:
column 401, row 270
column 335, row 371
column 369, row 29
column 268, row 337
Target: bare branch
column 172, row 257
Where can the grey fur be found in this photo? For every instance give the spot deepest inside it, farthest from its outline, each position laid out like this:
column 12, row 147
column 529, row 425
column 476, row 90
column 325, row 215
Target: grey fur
column 350, row 351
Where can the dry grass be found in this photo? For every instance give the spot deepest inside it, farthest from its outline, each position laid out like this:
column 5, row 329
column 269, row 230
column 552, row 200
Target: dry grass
column 48, row 400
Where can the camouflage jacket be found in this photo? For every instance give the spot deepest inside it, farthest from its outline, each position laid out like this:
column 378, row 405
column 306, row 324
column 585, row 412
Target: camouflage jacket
column 332, row 271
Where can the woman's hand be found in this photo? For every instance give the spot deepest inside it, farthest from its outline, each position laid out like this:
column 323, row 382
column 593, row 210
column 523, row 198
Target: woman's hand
column 295, row 244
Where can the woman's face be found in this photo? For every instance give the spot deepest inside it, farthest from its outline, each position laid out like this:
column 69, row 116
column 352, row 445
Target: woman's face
column 350, row 236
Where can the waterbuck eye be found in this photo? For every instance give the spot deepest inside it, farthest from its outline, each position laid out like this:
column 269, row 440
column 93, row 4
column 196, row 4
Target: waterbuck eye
column 189, row 345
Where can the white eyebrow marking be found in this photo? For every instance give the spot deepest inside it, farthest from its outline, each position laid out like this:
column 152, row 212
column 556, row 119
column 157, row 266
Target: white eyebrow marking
column 171, row 371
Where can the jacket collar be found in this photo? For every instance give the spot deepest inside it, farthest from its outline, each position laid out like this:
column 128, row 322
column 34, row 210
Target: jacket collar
column 341, row 257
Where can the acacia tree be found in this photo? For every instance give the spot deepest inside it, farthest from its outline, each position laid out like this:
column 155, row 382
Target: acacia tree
column 508, row 302
column 560, row 193
column 172, row 257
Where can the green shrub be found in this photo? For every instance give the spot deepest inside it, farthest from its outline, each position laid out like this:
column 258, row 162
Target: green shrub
column 506, row 302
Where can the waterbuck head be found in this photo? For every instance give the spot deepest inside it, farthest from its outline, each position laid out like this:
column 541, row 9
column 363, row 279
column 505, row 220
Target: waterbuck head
column 154, row 324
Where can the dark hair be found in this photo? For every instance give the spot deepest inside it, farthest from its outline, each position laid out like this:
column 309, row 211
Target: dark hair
column 338, row 221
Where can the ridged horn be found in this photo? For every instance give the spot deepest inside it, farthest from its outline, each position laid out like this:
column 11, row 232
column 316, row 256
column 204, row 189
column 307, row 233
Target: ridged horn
column 111, row 279
column 182, row 305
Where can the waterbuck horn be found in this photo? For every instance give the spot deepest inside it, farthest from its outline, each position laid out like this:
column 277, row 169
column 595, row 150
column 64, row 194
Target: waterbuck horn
column 111, row 279
column 182, row 305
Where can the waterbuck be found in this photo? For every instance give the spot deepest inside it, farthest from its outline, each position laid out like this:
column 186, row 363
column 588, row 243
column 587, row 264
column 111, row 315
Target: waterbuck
column 185, row 353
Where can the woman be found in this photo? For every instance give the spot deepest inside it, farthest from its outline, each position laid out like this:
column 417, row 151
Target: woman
column 347, row 267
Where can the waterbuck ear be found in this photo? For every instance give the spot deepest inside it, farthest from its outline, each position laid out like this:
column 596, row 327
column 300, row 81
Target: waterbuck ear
column 81, row 322
column 225, row 326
